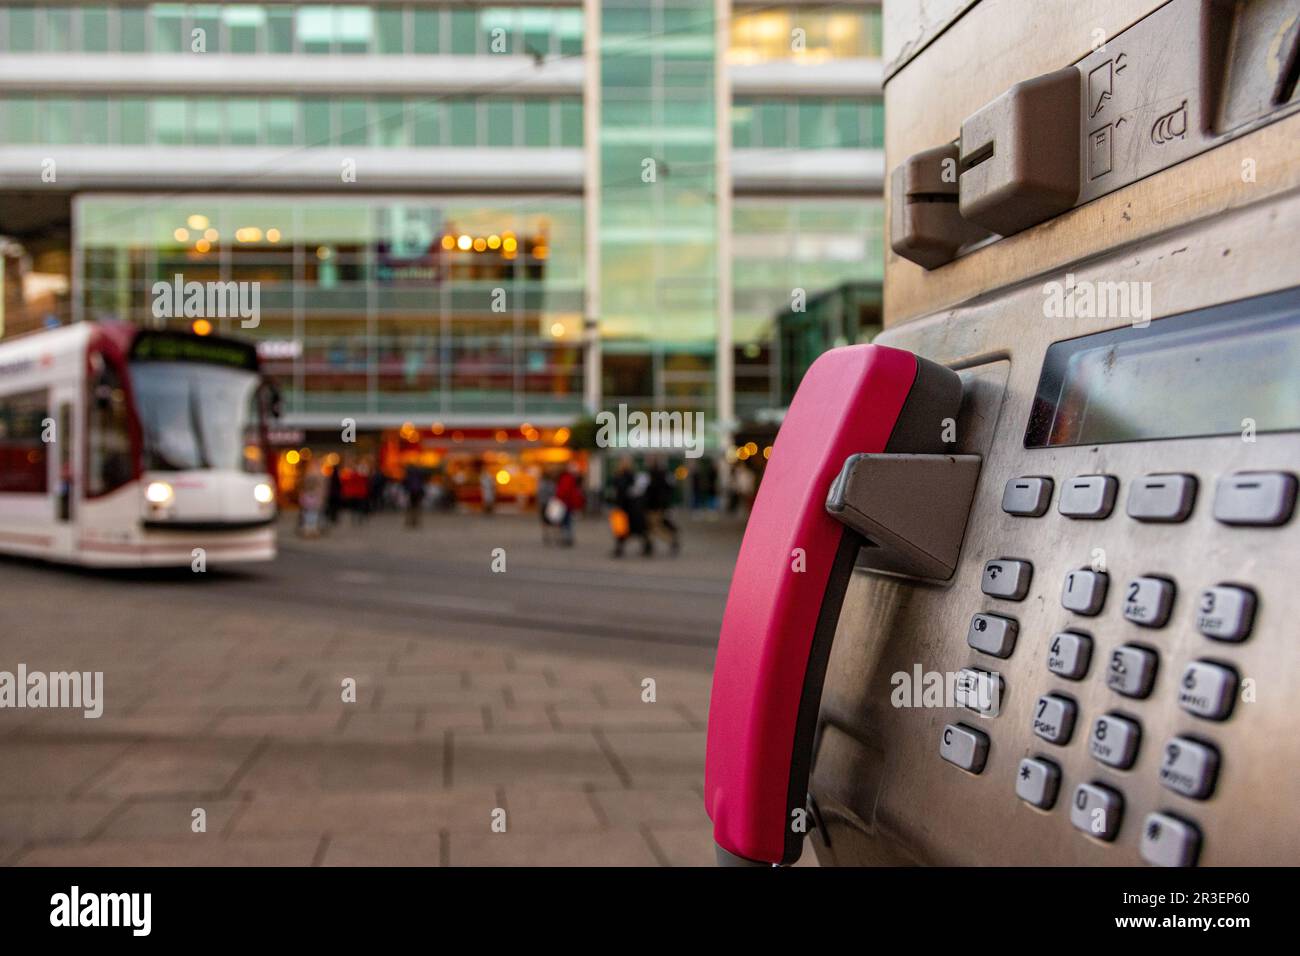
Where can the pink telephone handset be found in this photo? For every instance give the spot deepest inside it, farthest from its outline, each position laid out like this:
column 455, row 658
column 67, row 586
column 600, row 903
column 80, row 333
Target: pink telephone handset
column 789, row 583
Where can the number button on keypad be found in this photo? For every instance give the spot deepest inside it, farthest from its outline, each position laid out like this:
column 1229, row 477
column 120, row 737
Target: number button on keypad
column 1114, row 740
column 1225, row 613
column 1147, row 601
column 1054, row 718
column 1097, row 810
column 1207, row 690
column 1131, row 670
column 1189, row 767
column 1068, row 654
column 1084, row 592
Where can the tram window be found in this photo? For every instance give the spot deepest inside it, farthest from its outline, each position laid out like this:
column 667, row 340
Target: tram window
column 23, row 462
column 109, row 465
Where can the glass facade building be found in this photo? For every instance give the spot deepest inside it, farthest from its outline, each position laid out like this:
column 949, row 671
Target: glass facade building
column 464, row 212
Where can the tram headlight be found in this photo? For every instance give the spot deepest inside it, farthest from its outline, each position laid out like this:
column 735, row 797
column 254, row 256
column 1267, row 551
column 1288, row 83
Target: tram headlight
column 264, row 493
column 159, row 493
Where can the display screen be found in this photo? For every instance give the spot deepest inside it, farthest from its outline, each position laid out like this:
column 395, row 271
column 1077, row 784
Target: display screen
column 1218, row 371
column 165, row 346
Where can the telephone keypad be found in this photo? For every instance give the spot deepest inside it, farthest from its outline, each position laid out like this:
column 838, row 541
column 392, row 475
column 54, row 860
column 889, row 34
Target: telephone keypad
column 1189, row 767
column 1207, row 690
column 1084, row 591
column 1169, row 841
column 1097, row 810
column 1007, row 578
column 1255, row 498
column 1131, row 670
column 1037, row 782
column 993, row 634
column 1162, row 498
column 1088, row 496
column 1147, row 601
column 1114, row 740
column 1027, row 497
column 1225, row 613
column 1054, row 718
column 964, row 747
column 1068, row 654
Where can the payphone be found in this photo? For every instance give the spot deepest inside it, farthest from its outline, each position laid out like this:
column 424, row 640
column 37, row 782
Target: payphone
column 1046, row 608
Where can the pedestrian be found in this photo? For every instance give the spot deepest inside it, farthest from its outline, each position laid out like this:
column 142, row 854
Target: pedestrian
column 660, row 492
column 629, row 498
column 311, row 498
column 488, row 488
column 413, row 483
column 570, row 500
column 334, row 492
column 545, row 495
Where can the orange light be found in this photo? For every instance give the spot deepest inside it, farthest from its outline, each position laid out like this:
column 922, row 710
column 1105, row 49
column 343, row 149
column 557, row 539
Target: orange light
column 541, row 251
column 557, row 329
column 197, row 222
column 767, row 452
column 449, row 242
column 494, row 242
column 503, row 477
column 273, row 235
column 201, row 327
column 561, row 436
column 211, row 235
column 457, row 436
column 501, row 435
column 480, row 244
column 292, row 457
column 751, row 448
column 438, row 428
column 181, row 235
column 509, row 243
column 202, row 245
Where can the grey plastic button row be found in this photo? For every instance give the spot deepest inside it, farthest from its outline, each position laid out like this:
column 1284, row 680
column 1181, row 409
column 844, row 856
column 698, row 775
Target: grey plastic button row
column 1097, row 810
column 1114, row 740
column 1207, row 690
column 1147, row 601
column 1162, row 498
column 1131, row 671
column 1084, row 592
column 964, row 747
column 1054, row 718
column 1007, row 578
column 1225, row 613
column 1068, row 654
column 1255, row 498
column 1169, row 841
column 1037, row 782
column 1189, row 767
column 1027, row 497
column 1088, row 496
column 993, row 634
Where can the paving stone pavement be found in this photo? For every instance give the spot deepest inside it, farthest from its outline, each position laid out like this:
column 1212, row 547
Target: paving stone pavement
column 225, row 701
